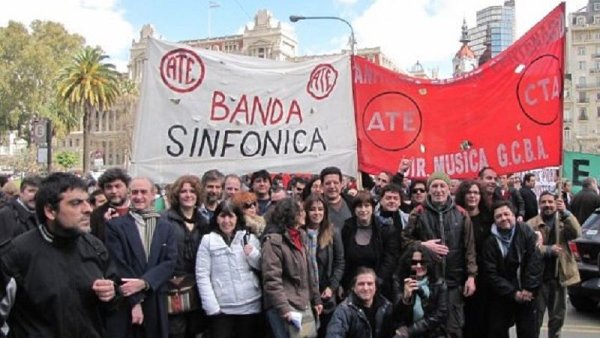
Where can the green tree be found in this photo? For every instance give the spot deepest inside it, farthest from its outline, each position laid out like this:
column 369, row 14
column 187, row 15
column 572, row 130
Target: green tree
column 31, row 60
column 67, row 159
column 88, row 84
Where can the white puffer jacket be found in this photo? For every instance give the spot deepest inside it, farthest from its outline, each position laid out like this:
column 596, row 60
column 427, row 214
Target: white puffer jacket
column 224, row 274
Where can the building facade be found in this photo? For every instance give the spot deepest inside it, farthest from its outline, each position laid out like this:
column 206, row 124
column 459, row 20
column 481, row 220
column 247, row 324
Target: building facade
column 497, row 22
column 464, row 60
column 582, row 80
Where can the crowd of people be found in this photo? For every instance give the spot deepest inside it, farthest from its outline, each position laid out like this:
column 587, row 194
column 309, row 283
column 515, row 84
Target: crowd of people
column 221, row 256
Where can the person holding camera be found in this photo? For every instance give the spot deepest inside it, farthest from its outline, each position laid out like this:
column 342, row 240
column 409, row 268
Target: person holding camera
column 420, row 297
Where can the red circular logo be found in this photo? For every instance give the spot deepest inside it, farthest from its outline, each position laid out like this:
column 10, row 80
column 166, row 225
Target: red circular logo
column 322, row 81
column 540, row 90
column 182, row 70
column 392, row 121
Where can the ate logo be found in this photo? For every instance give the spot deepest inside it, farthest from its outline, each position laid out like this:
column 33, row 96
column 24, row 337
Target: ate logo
column 540, row 90
column 182, row 70
column 392, row 121
column 322, row 81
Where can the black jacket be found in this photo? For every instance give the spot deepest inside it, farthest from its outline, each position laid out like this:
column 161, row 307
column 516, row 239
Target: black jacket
column 349, row 321
column 187, row 241
column 15, row 220
column 54, row 278
column 330, row 261
column 584, row 203
column 384, row 242
column 453, row 227
column 435, row 308
column 531, row 204
column 521, row 269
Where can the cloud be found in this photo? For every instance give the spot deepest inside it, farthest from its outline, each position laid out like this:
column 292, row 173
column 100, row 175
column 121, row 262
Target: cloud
column 101, row 22
column 429, row 30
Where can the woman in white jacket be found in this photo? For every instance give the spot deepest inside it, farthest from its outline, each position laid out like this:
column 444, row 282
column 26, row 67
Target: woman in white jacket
column 226, row 270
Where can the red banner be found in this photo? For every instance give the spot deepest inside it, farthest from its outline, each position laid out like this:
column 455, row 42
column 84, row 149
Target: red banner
column 506, row 114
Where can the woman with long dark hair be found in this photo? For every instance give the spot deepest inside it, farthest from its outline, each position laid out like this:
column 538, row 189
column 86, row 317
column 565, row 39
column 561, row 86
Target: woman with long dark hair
column 368, row 244
column 291, row 292
column 326, row 253
column 472, row 196
column 189, row 227
column 420, row 297
column 228, row 258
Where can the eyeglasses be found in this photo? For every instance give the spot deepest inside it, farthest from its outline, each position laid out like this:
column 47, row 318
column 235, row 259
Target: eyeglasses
column 418, row 190
column 416, row 261
column 249, row 205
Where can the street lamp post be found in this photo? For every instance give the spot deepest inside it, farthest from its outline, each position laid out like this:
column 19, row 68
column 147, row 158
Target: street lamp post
column 296, row 18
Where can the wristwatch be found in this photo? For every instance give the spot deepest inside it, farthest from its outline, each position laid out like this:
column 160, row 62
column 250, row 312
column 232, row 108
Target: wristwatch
column 146, row 286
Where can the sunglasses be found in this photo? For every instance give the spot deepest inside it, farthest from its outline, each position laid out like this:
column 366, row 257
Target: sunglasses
column 416, row 261
column 249, row 205
column 418, row 190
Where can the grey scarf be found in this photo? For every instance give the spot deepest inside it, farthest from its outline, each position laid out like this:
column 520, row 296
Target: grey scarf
column 145, row 219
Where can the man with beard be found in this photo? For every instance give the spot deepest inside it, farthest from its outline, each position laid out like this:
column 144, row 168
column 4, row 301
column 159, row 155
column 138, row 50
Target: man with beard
column 260, row 184
column 364, row 313
column 63, row 275
column 489, row 179
column 144, row 248
column 18, row 215
column 212, row 186
column 512, row 266
column 114, row 183
column 446, row 230
column 557, row 226
column 338, row 205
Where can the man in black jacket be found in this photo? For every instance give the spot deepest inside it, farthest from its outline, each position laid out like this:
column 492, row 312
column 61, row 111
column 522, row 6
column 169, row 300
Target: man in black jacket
column 18, row 215
column 586, row 201
column 364, row 314
column 529, row 197
column 513, row 268
column 63, row 275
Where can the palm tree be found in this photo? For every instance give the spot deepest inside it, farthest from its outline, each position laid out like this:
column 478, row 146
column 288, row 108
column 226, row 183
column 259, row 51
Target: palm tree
column 86, row 85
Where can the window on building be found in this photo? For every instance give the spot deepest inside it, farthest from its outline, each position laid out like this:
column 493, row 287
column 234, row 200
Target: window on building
column 596, row 19
column 598, row 111
column 77, row 142
column 582, row 97
column 70, row 143
column 581, row 20
column 582, row 114
column 567, row 117
column 581, row 51
column 581, row 65
column 597, row 6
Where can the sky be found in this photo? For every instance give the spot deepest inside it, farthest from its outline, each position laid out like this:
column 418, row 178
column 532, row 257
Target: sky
column 408, row 31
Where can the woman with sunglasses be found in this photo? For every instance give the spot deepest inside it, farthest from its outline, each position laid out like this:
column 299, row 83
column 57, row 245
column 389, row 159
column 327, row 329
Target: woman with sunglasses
column 248, row 203
column 418, row 193
column 420, row 298
column 326, row 253
column 229, row 287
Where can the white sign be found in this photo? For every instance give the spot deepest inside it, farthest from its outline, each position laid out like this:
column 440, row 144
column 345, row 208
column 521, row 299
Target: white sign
column 202, row 110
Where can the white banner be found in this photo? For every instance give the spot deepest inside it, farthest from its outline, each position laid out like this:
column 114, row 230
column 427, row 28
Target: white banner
column 201, row 110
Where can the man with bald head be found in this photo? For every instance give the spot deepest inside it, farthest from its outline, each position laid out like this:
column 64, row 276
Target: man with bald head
column 144, row 249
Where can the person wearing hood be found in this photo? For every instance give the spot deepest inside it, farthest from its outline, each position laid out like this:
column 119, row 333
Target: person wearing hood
column 512, row 267
column 446, row 230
